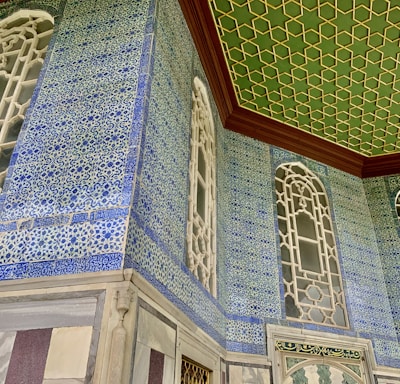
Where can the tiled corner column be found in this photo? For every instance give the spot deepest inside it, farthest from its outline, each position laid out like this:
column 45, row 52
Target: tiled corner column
column 252, row 273
column 65, row 204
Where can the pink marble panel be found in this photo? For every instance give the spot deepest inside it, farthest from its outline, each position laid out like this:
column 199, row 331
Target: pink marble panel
column 28, row 358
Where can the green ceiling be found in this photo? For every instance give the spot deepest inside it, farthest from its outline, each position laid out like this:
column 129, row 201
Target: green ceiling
column 328, row 67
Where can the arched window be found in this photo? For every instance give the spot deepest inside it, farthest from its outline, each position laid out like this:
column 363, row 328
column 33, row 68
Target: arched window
column 24, row 37
column 310, row 265
column 201, row 256
column 397, row 204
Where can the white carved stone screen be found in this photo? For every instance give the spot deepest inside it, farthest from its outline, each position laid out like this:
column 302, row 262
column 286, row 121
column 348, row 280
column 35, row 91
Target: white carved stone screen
column 310, row 266
column 397, row 204
column 193, row 373
column 24, row 38
column 201, row 256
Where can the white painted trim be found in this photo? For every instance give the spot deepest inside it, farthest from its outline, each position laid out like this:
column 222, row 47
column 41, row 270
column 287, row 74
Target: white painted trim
column 387, row 374
column 246, row 358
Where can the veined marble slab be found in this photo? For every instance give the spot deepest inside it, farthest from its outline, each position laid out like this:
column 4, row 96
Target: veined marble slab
column 6, row 346
column 47, row 313
column 64, row 381
column 68, row 353
column 156, row 334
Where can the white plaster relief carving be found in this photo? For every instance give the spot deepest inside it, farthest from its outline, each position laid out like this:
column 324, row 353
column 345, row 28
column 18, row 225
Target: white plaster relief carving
column 310, row 265
column 24, row 37
column 201, row 257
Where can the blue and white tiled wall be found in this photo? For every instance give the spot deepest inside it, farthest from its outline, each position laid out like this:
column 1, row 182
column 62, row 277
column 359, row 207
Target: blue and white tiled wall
column 363, row 269
column 66, row 200
column 369, row 309
column 249, row 288
column 253, row 291
column 100, row 181
column 156, row 241
column 381, row 194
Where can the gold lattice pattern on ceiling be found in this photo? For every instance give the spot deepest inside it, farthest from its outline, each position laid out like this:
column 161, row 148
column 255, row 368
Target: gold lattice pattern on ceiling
column 328, row 67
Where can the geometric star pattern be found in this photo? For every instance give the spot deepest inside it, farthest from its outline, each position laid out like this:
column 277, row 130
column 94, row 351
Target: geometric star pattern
column 327, row 67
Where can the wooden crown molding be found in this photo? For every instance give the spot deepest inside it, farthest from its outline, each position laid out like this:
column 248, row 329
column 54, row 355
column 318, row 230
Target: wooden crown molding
column 294, row 140
column 381, row 165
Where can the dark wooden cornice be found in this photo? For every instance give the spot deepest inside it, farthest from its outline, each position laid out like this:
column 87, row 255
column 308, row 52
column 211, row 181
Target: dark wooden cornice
column 241, row 120
column 381, row 165
column 283, row 136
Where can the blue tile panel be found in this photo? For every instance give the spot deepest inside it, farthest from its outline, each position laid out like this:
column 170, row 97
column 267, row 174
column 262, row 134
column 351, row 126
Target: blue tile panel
column 252, row 274
column 66, row 200
column 156, row 241
column 363, row 271
column 381, row 195
column 73, row 245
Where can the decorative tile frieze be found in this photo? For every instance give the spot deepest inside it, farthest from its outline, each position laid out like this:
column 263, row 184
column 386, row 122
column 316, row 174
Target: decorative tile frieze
column 317, row 350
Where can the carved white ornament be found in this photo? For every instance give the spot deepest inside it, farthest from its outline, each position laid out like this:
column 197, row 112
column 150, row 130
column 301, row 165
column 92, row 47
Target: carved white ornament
column 201, row 256
column 310, row 265
column 24, row 37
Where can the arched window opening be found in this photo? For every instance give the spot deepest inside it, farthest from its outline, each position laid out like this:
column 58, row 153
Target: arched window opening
column 201, row 256
column 24, row 38
column 397, row 204
column 310, row 266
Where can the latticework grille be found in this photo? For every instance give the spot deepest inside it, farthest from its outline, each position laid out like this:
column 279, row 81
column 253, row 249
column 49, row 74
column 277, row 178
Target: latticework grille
column 310, row 266
column 24, row 38
column 201, row 221
column 192, row 373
